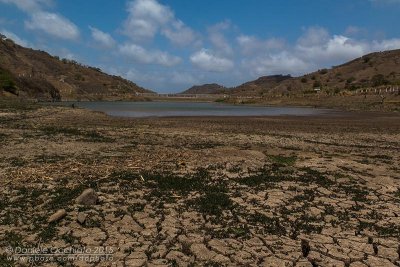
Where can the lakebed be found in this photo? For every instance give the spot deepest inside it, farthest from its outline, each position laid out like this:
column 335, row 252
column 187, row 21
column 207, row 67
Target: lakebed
column 310, row 190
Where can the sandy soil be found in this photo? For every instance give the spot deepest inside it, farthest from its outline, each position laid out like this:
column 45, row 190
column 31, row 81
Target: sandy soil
column 267, row 191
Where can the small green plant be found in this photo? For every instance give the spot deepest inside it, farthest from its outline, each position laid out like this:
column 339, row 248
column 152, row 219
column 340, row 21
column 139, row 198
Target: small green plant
column 6, row 262
column 17, row 162
column 213, row 203
column 63, row 196
column 283, row 160
column 48, row 233
column 12, row 239
column 271, row 225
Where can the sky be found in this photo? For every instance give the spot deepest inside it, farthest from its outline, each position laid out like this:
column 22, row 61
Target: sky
column 170, row 45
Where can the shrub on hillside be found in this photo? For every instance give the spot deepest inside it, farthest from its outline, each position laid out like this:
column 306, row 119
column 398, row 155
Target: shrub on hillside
column 378, row 80
column 7, row 83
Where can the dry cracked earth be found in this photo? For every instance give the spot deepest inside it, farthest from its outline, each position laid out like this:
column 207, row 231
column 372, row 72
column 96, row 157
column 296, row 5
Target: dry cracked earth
column 287, row 191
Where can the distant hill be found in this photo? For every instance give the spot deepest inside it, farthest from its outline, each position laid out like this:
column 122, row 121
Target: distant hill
column 206, row 89
column 372, row 70
column 35, row 74
column 262, row 84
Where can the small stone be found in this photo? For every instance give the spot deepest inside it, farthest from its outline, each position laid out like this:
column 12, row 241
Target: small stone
column 57, row 216
column 88, row 197
column 81, row 218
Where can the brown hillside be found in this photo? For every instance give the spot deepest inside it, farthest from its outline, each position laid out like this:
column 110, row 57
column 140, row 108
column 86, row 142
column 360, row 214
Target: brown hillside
column 372, row 70
column 206, row 89
column 36, row 74
column 262, row 84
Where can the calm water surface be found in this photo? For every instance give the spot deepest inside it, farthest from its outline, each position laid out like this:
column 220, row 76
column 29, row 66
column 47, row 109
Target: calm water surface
column 179, row 109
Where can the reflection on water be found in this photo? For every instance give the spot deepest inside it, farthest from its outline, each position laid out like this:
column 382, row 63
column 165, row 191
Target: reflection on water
column 179, row 109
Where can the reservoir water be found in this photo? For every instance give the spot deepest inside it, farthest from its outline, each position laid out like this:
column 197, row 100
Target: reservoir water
column 180, row 109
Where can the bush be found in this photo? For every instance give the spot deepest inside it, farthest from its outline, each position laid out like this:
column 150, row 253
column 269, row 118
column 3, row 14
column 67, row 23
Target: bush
column 379, row 80
column 7, row 83
column 350, row 80
column 304, row 80
column 323, row 71
column 317, row 84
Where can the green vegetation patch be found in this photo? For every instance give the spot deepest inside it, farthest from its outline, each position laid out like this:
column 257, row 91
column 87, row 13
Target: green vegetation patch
column 12, row 239
column 271, row 225
column 266, row 175
column 17, row 162
column 198, row 181
column 241, row 231
column 289, row 161
column 3, row 137
column 357, row 193
column 48, row 232
column 18, row 105
column 7, row 82
column 213, row 203
column 88, row 136
column 127, row 175
column 5, row 262
column 63, row 196
column 309, row 176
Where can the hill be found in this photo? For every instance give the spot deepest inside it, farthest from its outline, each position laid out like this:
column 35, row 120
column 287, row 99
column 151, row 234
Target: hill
column 30, row 73
column 372, row 70
column 206, row 89
column 262, row 84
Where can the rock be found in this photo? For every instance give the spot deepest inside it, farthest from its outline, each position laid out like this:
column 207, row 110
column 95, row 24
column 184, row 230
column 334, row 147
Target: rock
column 177, row 256
column 276, row 262
column 136, row 259
column 81, row 218
column 201, row 252
column 57, row 216
column 88, row 197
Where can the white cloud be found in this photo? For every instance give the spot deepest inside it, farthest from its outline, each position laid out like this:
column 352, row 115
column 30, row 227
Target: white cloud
column 313, row 36
column 335, row 49
column 145, row 18
column 205, row 60
column 53, row 24
column 148, row 17
column 389, row 44
column 316, row 48
column 251, row 44
column 218, row 39
column 48, row 22
column 103, row 39
column 280, row 63
column 142, row 55
column 183, row 78
column 15, row 38
column 29, row 5
column 178, row 33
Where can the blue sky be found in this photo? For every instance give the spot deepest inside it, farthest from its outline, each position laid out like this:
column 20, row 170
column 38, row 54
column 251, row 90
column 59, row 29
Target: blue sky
column 170, row 45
